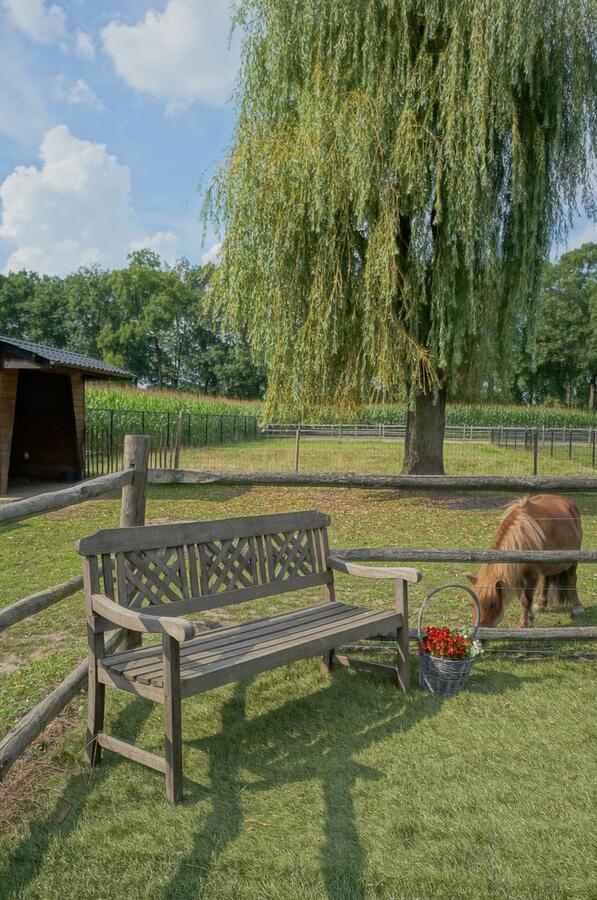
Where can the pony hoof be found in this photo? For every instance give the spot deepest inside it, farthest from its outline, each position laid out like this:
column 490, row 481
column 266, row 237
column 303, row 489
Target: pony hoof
column 539, row 608
column 577, row 612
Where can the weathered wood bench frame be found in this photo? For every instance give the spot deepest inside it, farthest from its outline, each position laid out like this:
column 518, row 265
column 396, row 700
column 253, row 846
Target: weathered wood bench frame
column 143, row 578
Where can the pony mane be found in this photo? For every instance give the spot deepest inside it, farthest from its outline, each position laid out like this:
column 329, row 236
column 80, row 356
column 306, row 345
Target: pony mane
column 518, row 529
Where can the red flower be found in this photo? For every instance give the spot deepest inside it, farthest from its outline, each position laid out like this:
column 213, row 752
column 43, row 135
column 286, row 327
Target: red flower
column 444, row 643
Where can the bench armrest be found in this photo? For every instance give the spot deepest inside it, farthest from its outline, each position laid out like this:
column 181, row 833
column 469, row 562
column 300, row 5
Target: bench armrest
column 349, row 568
column 145, row 622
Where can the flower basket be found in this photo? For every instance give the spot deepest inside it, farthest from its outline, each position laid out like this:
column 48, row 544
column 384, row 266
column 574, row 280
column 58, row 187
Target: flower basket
column 439, row 674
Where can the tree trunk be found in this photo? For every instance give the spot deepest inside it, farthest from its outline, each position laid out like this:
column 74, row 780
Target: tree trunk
column 569, row 395
column 424, row 442
column 592, row 393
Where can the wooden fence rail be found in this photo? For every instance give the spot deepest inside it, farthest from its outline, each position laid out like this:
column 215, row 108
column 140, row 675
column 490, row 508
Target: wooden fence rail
column 132, row 482
column 31, row 725
column 53, row 500
column 22, row 609
column 412, row 554
column 443, row 483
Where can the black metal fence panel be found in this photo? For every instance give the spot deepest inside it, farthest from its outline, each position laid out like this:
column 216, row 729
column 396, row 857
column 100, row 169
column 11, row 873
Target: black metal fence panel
column 208, row 441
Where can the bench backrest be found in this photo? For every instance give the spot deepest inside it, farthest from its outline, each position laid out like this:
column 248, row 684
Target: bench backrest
column 191, row 566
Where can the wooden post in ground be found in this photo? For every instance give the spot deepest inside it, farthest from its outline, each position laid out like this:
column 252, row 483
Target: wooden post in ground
column 297, row 447
column 178, row 439
column 134, row 496
column 535, row 450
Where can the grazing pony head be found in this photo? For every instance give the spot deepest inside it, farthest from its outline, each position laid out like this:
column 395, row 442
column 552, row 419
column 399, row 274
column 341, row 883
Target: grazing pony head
column 493, row 593
column 497, row 583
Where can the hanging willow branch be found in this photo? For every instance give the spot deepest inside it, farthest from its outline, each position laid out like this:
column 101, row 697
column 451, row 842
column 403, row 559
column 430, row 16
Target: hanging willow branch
column 398, row 173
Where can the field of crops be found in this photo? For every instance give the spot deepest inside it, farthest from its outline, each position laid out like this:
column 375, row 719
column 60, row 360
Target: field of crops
column 102, row 396
column 114, row 397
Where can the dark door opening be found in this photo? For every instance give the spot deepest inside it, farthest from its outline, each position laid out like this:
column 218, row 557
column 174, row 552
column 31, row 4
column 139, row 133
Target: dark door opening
column 44, row 442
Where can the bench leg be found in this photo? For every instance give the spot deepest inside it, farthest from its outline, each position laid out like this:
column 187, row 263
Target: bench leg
column 96, row 700
column 403, row 668
column 172, row 719
column 327, row 662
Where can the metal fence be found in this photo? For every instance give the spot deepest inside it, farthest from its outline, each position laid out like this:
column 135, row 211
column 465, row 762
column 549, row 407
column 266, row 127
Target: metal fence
column 506, row 436
column 170, row 433
column 211, row 441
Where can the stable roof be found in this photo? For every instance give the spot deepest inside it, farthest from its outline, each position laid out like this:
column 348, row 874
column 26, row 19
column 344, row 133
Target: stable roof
column 16, row 353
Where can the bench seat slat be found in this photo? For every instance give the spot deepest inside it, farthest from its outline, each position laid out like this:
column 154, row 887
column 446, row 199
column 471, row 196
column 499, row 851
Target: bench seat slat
column 230, row 640
column 243, row 631
column 262, row 661
column 328, row 629
column 207, row 664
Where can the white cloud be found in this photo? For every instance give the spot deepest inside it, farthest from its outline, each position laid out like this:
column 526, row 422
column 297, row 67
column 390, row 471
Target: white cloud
column 78, row 94
column 73, row 210
column 166, row 243
column 84, row 46
column 212, row 255
column 40, row 22
column 179, row 55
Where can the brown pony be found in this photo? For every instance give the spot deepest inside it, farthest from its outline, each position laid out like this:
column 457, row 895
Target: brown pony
column 544, row 522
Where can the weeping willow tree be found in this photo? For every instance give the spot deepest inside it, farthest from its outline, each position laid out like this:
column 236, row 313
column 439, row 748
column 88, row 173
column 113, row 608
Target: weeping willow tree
column 398, row 173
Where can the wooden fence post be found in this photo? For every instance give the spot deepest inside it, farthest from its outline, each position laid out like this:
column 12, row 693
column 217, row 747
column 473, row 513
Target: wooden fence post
column 297, row 447
column 136, row 456
column 178, row 439
column 134, row 496
column 535, row 450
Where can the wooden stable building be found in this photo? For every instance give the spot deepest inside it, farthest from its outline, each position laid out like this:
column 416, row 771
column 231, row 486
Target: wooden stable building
column 42, row 411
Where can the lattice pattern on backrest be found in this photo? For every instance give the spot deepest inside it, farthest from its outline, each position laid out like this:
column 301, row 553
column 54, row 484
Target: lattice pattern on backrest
column 152, row 576
column 241, row 556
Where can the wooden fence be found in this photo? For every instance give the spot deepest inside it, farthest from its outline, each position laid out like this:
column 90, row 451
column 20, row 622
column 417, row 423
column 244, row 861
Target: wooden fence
column 441, row 483
column 131, row 482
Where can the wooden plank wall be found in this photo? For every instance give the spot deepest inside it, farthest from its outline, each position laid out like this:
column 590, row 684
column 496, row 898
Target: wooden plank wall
column 78, row 388
column 8, row 394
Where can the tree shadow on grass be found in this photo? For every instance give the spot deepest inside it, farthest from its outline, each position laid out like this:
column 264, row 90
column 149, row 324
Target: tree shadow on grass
column 314, row 738
column 207, row 491
column 27, row 859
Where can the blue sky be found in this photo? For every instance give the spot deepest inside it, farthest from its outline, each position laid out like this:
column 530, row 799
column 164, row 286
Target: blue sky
column 111, row 115
column 148, row 81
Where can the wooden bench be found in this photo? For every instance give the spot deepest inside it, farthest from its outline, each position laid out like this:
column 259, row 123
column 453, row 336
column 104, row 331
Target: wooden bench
column 144, row 579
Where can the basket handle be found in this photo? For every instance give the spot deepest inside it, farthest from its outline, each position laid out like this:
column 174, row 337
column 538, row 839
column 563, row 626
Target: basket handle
column 444, row 587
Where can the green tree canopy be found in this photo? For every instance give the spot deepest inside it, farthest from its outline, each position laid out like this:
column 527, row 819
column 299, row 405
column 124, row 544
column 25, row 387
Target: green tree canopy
column 566, row 341
column 398, row 172
column 149, row 317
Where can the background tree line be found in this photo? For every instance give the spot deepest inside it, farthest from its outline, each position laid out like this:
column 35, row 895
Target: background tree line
column 149, row 318
column 554, row 356
column 153, row 320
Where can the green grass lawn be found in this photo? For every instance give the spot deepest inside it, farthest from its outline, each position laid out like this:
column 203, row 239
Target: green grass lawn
column 299, row 784
column 382, row 458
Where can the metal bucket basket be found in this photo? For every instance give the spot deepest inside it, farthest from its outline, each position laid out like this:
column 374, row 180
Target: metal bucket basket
column 436, row 674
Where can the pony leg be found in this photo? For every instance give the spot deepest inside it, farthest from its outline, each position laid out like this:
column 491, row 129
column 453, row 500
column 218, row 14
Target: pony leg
column 541, row 603
column 574, row 599
column 527, row 619
column 556, row 593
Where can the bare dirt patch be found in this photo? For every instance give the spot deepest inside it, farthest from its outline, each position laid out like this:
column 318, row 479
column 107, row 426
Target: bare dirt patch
column 33, row 768
column 9, row 662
